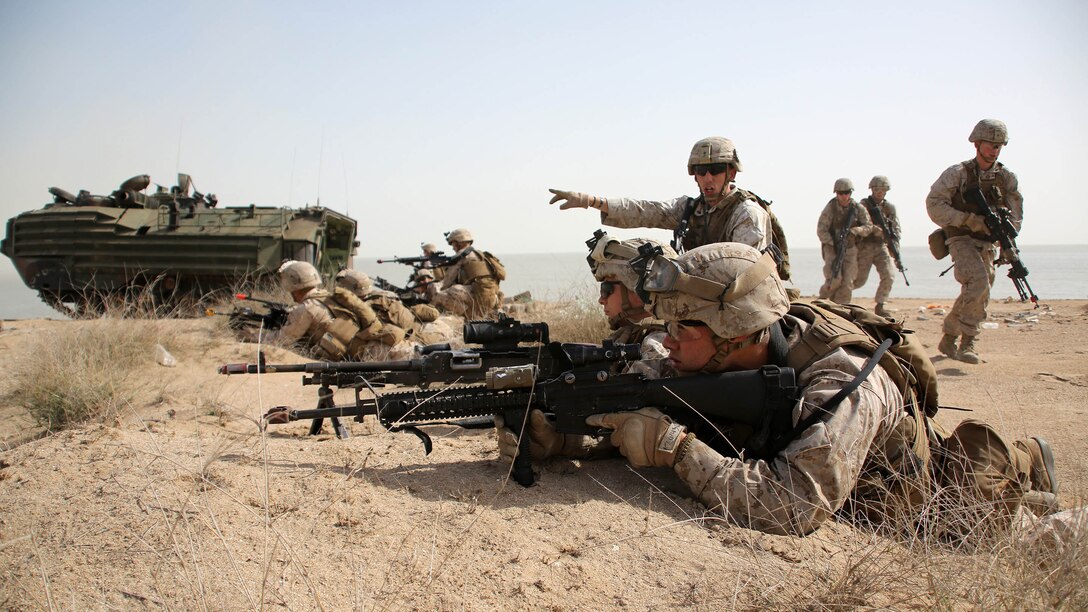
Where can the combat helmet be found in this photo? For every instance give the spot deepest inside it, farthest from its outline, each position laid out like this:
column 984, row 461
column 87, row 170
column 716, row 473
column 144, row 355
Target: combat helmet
column 844, row 184
column 296, row 275
column 731, row 287
column 713, row 150
column 990, row 130
column 610, row 257
column 458, row 235
column 354, row 281
column 880, row 182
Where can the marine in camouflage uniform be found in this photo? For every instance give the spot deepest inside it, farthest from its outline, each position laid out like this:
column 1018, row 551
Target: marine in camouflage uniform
column 469, row 288
column 841, row 210
column 874, row 453
column 969, row 241
column 307, row 321
column 873, row 249
column 428, row 250
column 403, row 328
column 627, row 316
column 722, row 211
column 333, row 326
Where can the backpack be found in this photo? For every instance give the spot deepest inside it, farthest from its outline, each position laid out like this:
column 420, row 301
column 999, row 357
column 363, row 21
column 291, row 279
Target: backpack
column 833, row 325
column 497, row 269
column 778, row 238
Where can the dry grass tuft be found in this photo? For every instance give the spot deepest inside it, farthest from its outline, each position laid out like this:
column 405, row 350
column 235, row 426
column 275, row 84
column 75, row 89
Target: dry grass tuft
column 81, row 372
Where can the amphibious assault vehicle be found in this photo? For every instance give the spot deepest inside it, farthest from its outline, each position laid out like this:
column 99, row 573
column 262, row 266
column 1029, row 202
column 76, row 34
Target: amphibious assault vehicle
column 175, row 244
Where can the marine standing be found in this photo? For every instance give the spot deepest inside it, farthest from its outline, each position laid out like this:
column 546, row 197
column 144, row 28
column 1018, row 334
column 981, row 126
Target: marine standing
column 722, row 212
column 842, row 222
column 873, row 249
column 969, row 240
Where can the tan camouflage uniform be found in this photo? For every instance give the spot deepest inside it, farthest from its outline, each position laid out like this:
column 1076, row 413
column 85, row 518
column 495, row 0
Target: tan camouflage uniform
column 468, row 289
column 873, row 251
column 840, row 288
column 306, row 322
column 736, row 218
column 973, row 253
column 855, row 456
column 650, row 335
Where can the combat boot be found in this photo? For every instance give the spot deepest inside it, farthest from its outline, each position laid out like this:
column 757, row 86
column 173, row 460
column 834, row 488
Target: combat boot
column 880, row 310
column 968, row 353
column 1043, row 475
column 948, row 346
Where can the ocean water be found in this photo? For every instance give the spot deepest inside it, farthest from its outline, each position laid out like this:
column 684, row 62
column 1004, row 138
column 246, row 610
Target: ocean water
column 1055, row 272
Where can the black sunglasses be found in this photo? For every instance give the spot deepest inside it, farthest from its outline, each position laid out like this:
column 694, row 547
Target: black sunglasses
column 702, row 169
column 607, row 287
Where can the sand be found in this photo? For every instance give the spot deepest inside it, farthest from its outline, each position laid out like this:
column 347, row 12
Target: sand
column 181, row 502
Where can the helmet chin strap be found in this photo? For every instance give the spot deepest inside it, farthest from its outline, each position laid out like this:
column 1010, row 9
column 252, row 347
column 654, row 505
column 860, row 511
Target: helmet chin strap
column 728, row 346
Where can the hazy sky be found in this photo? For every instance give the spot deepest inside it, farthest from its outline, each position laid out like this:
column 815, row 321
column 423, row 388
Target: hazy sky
column 419, row 117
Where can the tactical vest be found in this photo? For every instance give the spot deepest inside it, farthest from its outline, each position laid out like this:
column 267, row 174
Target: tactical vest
column 870, row 206
column 473, row 266
column 841, row 215
column 354, row 323
column 707, row 225
column 832, row 326
column 991, row 183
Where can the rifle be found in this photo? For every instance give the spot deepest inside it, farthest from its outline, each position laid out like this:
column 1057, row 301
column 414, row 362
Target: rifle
column 241, row 317
column 840, row 244
column 404, row 294
column 1003, row 231
column 501, row 347
column 434, row 260
column 759, row 398
column 891, row 240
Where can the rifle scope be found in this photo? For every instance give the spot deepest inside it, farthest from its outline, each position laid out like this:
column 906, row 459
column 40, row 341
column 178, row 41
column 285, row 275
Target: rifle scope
column 505, row 331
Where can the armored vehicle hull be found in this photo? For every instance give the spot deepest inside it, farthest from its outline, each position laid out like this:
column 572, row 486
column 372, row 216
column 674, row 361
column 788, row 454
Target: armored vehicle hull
column 80, row 250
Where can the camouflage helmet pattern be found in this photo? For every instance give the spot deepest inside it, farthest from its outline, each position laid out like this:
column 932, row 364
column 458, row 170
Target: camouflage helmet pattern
column 880, row 182
column 744, row 314
column 423, row 274
column 990, row 130
column 296, row 275
column 355, row 281
column 428, row 247
column 844, row 184
column 713, row 150
column 458, row 235
column 606, row 262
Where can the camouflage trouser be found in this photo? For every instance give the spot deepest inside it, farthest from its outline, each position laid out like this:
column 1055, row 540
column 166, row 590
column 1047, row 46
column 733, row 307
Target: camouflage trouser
column 875, row 254
column 379, row 351
column 841, row 288
column 438, row 331
column 467, row 301
column 982, row 476
column 974, row 268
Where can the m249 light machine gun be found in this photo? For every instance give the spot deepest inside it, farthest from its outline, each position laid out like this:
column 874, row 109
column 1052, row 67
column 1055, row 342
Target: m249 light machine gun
column 502, row 345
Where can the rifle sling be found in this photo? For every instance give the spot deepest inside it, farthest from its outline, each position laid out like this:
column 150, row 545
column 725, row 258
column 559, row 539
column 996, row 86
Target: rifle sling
column 832, row 403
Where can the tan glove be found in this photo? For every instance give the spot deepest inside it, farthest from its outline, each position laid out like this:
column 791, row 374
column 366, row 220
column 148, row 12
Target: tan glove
column 859, row 231
column 573, row 199
column 877, row 232
column 646, row 437
column 544, row 441
column 976, row 223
